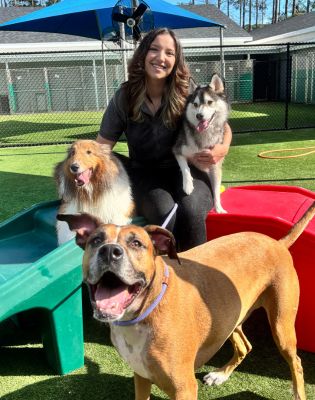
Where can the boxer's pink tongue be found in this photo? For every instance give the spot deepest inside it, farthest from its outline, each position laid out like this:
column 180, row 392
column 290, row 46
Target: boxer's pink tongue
column 112, row 300
column 202, row 126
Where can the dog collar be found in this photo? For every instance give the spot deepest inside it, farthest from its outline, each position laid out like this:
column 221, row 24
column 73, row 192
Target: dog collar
column 148, row 311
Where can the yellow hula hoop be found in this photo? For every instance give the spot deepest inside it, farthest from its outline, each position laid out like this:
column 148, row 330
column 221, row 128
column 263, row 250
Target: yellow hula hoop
column 262, row 154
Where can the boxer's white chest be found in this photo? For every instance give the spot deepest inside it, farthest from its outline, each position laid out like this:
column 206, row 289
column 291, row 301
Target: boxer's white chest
column 131, row 343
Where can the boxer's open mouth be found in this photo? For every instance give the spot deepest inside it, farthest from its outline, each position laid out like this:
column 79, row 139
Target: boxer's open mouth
column 112, row 296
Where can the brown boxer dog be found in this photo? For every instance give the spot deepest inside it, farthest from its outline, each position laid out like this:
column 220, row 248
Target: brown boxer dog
column 168, row 319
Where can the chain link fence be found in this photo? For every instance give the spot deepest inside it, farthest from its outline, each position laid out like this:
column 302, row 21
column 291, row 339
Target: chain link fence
column 54, row 98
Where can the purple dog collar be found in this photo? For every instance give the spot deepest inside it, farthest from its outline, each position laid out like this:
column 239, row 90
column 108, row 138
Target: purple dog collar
column 148, row 311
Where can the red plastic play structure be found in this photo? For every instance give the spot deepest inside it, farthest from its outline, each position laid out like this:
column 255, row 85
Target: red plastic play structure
column 272, row 210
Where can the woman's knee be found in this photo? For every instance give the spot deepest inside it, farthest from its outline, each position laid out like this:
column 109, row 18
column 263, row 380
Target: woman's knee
column 197, row 204
column 155, row 206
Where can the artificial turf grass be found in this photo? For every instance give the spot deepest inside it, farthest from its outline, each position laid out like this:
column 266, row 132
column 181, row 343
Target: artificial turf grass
column 242, row 166
column 26, row 172
column 262, row 375
column 65, row 127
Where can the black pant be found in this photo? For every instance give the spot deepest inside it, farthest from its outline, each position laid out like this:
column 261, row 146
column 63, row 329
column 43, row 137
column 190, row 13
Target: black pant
column 156, row 190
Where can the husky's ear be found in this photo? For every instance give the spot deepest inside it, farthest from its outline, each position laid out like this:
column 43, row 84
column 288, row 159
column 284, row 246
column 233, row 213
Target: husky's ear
column 192, row 86
column 216, row 84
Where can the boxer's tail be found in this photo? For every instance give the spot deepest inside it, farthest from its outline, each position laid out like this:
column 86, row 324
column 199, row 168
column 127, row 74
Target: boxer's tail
column 299, row 227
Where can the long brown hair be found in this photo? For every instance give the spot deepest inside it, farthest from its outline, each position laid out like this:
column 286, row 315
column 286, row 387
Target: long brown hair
column 177, row 82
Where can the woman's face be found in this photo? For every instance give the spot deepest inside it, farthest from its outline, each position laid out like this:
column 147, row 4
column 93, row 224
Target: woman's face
column 160, row 59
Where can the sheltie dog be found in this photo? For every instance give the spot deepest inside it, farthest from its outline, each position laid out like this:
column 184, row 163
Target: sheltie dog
column 204, row 117
column 92, row 180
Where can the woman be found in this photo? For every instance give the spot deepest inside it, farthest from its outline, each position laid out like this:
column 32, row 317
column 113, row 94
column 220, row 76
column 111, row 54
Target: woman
column 147, row 109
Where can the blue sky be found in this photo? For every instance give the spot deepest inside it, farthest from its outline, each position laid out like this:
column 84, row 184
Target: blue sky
column 232, row 10
column 234, row 14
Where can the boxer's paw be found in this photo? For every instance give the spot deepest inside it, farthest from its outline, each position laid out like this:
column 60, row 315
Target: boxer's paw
column 215, row 378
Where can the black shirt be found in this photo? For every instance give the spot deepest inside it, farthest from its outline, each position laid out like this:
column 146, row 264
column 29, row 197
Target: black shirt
column 150, row 142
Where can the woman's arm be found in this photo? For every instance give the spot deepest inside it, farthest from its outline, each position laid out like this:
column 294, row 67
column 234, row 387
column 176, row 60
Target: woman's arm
column 102, row 140
column 211, row 156
column 114, row 121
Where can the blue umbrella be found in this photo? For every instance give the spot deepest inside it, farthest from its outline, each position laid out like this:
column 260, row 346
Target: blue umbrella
column 94, row 18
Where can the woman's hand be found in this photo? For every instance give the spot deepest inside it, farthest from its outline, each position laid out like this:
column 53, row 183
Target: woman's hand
column 207, row 157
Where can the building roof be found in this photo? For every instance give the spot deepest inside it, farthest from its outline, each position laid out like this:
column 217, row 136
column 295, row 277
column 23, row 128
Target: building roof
column 212, row 12
column 291, row 29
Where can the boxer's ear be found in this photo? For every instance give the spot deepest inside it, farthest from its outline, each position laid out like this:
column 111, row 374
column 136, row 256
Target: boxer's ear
column 163, row 241
column 83, row 224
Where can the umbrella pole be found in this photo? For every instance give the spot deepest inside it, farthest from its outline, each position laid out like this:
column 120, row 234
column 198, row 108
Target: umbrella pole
column 105, row 75
column 95, row 85
column 222, row 54
column 124, row 52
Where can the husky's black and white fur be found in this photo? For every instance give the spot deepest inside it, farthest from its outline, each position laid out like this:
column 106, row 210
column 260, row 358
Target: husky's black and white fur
column 205, row 114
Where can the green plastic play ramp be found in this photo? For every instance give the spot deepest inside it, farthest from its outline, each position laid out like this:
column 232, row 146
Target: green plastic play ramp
column 37, row 274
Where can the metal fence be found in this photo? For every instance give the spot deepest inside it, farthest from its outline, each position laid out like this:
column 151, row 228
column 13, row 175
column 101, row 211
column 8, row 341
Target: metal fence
column 60, row 97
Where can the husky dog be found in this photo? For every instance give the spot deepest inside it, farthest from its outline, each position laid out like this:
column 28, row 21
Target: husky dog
column 204, row 117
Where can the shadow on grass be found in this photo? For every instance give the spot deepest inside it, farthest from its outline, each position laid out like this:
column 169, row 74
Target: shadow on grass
column 245, row 117
column 268, row 137
column 26, row 361
column 243, row 396
column 91, row 385
column 17, row 128
column 261, row 116
column 41, row 133
column 20, row 153
column 20, row 191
